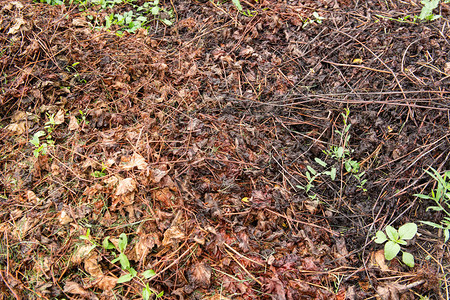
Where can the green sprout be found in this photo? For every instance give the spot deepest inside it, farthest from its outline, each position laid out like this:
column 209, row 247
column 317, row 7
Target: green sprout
column 394, row 238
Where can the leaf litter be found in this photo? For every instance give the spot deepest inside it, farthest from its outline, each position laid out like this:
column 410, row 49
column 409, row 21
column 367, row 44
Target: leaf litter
column 193, row 139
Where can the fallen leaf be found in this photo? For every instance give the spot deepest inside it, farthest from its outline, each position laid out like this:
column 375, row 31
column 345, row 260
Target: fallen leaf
column 55, row 169
column 17, row 128
column 73, row 123
column 126, row 186
column 172, row 235
column 72, row 287
column 64, row 218
column 59, row 117
column 143, row 247
column 31, row 196
column 200, row 275
column 91, row 265
column 18, row 22
column 380, row 260
column 136, row 161
column 80, row 22
column 81, row 253
column 157, row 175
column 107, row 283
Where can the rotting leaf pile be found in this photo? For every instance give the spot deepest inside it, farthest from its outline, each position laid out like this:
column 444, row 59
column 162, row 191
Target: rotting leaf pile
column 191, row 140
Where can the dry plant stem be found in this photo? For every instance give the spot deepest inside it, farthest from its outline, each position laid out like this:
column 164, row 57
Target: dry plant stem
column 355, row 66
column 7, row 268
column 253, row 261
column 173, row 263
column 410, row 113
column 6, row 283
column 243, row 268
column 304, row 223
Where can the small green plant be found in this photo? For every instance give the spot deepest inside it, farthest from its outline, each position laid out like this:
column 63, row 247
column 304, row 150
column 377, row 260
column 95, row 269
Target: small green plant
column 126, row 266
column 238, row 5
column 82, row 118
column 427, row 10
column 394, row 238
column 35, row 141
column 316, row 18
column 99, row 174
column 49, row 126
column 339, row 153
column 441, row 197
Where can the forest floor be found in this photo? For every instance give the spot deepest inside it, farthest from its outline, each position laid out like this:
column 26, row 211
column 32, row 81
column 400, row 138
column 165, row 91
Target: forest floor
column 218, row 154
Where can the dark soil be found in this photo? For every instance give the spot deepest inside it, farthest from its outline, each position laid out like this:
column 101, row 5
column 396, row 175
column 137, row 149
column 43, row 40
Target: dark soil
column 195, row 140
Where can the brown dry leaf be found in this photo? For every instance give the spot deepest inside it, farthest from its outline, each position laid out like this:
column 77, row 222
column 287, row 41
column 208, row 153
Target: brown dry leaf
column 157, row 175
column 172, row 235
column 64, row 218
column 107, row 283
column 200, row 275
column 311, row 205
column 447, row 68
column 17, row 128
column 59, row 117
column 380, row 260
column 72, row 287
column 388, row 292
column 164, row 196
column 92, row 267
column 55, row 169
column 80, row 22
column 143, row 247
column 73, row 123
column 81, row 253
column 18, row 25
column 136, row 161
column 32, row 198
column 22, row 227
column 14, row 4
column 126, row 186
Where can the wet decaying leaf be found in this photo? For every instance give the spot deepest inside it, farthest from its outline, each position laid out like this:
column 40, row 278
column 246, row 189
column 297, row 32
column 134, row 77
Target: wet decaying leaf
column 248, row 150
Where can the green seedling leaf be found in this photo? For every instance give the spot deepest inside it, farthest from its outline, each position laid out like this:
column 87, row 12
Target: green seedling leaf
column 427, row 9
column 380, row 237
column 391, row 250
column 446, row 235
column 340, row 152
column 167, row 22
column 125, row 278
column 435, row 208
column 149, row 273
column 124, row 262
column 320, row 162
column 155, row 10
column 408, row 259
column 310, row 169
column 407, row 231
column 132, row 271
column 123, row 242
column 146, row 292
column 237, row 3
column 401, row 242
column 434, row 225
column 333, row 173
column 160, row 294
column 35, row 139
column 392, row 233
column 308, row 176
column 422, row 196
column 107, row 244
